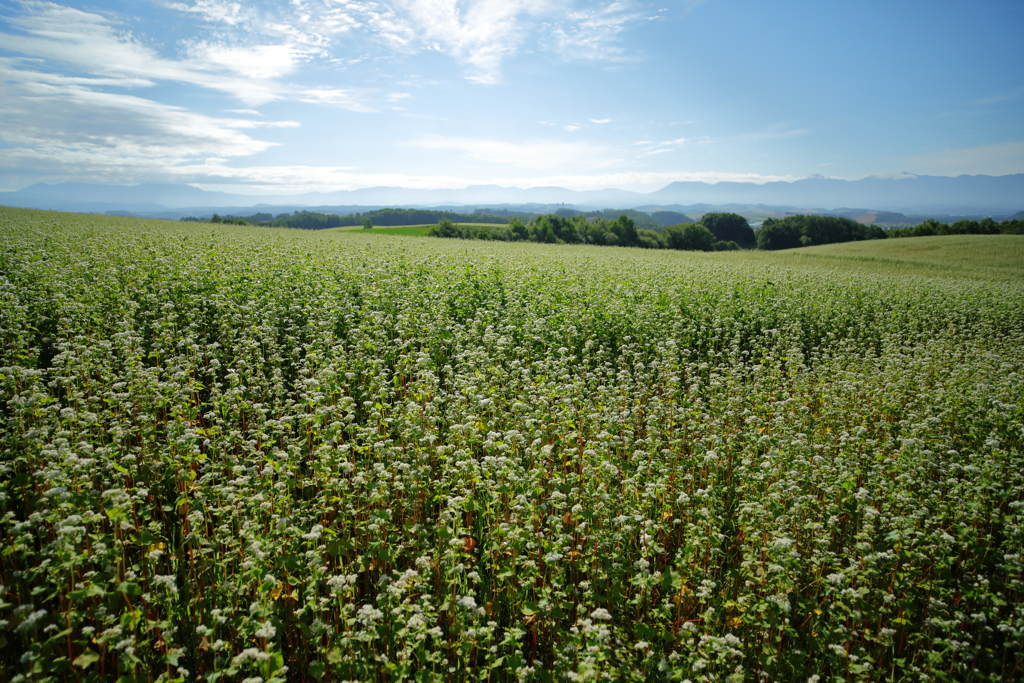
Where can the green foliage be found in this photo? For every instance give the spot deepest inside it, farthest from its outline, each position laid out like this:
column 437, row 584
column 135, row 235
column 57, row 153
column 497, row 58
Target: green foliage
column 806, row 231
column 667, row 218
column 730, row 227
column 986, row 226
column 778, row 234
column 649, row 239
column 1012, row 227
column 689, row 237
column 231, row 453
column 312, row 220
column 555, row 229
column 640, row 219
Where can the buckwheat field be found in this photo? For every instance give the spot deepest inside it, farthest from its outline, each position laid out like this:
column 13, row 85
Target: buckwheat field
column 243, row 454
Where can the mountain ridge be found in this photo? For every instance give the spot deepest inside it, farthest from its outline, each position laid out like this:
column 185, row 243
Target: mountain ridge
column 907, row 193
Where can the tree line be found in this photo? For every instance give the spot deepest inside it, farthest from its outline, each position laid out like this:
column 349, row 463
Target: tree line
column 311, row 220
column 986, row 226
column 716, row 231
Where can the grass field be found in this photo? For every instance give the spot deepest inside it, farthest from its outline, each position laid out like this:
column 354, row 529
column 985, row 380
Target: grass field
column 406, row 230
column 989, row 257
column 243, row 454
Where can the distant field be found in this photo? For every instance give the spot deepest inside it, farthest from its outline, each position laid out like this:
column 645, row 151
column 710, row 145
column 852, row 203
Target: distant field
column 986, row 257
column 407, row 230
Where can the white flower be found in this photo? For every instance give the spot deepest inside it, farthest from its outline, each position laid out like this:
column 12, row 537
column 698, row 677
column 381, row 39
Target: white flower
column 249, row 654
column 601, row 614
column 168, row 582
column 267, row 631
column 368, row 614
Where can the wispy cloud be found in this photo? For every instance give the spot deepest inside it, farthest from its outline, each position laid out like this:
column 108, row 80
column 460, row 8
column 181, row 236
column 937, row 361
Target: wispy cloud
column 229, row 13
column 534, row 154
column 480, row 34
column 55, row 127
column 1008, row 96
column 592, row 33
column 295, row 179
column 90, row 43
column 600, row 120
column 651, row 148
column 63, row 100
column 776, row 132
column 337, row 97
column 998, row 159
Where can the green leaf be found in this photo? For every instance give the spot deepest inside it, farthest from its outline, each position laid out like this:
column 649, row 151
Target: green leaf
column 129, row 588
column 529, row 608
column 83, row 660
column 671, row 581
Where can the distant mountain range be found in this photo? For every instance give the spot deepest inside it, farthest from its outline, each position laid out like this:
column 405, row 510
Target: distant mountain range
column 907, row 194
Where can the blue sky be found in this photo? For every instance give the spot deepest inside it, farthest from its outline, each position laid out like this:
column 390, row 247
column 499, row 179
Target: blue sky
column 307, row 95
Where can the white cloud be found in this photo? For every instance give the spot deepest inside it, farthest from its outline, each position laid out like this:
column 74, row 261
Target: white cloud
column 480, row 34
column 592, row 33
column 229, row 13
column 257, row 62
column 337, row 97
column 662, row 147
column 90, row 43
column 600, row 120
column 61, row 125
column 535, row 154
column 571, row 127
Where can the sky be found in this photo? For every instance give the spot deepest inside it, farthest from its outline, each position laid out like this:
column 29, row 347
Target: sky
column 320, row 95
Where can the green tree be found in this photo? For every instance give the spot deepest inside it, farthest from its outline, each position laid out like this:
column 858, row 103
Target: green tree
column 625, row 229
column 648, row 239
column 367, row 224
column 445, row 228
column 689, row 237
column 730, row 227
column 518, row 229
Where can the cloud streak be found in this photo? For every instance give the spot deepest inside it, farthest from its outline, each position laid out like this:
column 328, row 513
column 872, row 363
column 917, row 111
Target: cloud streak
column 534, row 154
column 995, row 159
column 89, row 43
column 296, row 179
column 479, row 34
